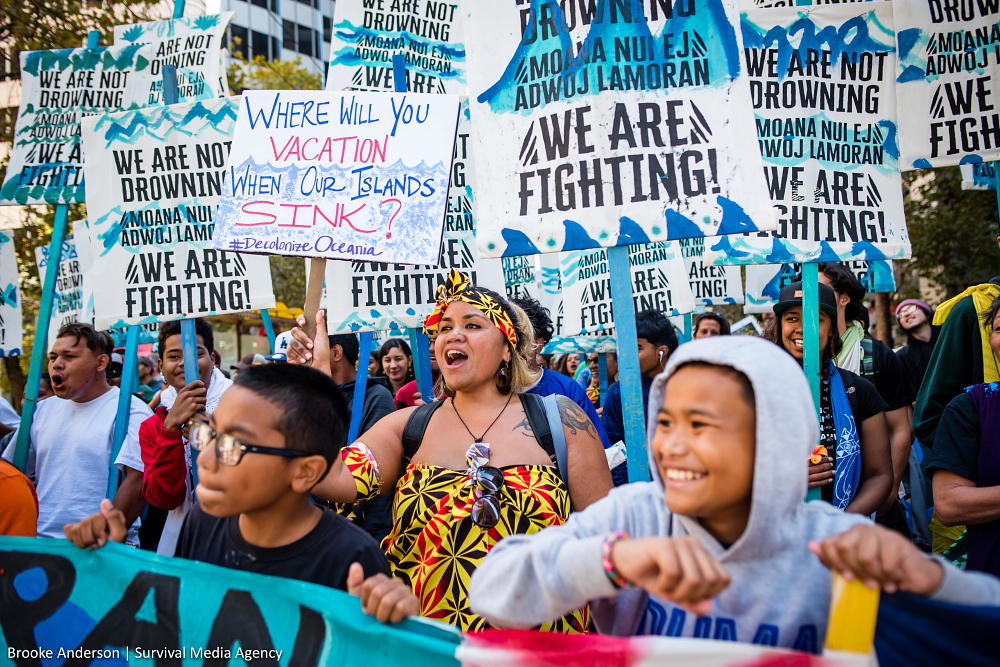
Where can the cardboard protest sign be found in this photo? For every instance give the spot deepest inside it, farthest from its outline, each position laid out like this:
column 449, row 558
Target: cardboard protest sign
column 58, row 89
column 369, row 296
column 659, row 281
column 747, row 5
column 360, row 176
column 520, row 277
column 368, row 33
column 978, row 176
column 824, row 99
column 123, row 606
column 192, row 44
column 10, row 298
column 69, row 304
column 550, row 295
column 161, row 172
column 617, row 125
column 711, row 285
column 764, row 282
column 948, row 82
column 585, row 344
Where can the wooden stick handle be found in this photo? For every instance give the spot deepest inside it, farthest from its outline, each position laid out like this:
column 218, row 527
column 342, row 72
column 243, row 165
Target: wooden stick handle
column 314, row 292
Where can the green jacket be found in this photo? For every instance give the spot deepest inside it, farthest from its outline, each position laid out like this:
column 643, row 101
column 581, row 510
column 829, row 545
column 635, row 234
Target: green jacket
column 956, row 363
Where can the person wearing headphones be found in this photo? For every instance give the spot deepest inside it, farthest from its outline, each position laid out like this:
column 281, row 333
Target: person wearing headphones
column 657, row 340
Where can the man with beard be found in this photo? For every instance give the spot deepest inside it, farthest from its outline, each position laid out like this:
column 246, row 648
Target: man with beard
column 914, row 317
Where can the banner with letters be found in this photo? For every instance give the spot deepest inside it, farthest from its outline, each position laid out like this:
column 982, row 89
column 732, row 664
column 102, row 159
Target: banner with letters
column 550, row 295
column 356, row 176
column 711, row 285
column 72, row 295
column 368, row 33
column 617, row 125
column 948, row 82
column 152, row 221
column 10, row 298
column 978, row 176
column 520, row 277
column 659, row 282
column 824, row 103
column 193, row 44
column 58, row 89
column 764, row 282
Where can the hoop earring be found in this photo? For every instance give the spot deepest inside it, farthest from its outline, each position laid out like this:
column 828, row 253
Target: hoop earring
column 503, row 378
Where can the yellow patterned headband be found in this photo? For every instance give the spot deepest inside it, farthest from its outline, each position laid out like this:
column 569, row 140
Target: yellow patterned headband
column 458, row 287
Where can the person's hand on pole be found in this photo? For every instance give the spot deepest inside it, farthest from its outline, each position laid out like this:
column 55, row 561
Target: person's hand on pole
column 97, row 529
column 314, row 352
column 190, row 401
column 386, row 598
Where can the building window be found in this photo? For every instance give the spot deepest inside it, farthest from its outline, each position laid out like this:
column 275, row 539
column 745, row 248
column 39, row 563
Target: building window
column 259, row 3
column 288, row 34
column 274, row 6
column 259, row 44
column 315, row 4
column 307, row 3
column 305, row 40
column 327, row 29
column 275, row 49
column 238, row 40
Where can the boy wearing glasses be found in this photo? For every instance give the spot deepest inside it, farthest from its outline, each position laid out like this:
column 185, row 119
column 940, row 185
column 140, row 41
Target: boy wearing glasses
column 272, row 438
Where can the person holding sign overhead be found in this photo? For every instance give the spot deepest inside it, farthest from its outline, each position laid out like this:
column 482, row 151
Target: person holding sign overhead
column 491, row 463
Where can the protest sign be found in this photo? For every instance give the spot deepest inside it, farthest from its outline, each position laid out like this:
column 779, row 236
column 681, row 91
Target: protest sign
column 59, row 88
column 764, row 282
column 979, row 176
column 947, row 82
column 367, row 33
column 10, row 298
column 192, row 44
column 823, row 94
column 519, row 277
column 151, row 222
column 747, row 5
column 373, row 296
column 71, row 298
column 360, row 176
column 550, row 295
column 711, row 285
column 617, row 125
column 659, row 281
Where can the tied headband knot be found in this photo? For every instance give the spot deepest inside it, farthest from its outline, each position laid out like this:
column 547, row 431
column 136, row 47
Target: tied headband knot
column 458, row 287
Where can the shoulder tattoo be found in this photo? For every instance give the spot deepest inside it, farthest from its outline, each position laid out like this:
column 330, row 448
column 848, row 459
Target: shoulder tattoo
column 574, row 418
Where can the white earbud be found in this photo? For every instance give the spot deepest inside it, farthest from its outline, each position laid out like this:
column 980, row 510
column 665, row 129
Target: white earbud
column 661, row 357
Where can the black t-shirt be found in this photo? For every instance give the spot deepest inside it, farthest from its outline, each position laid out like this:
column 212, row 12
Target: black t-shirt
column 869, row 400
column 892, row 383
column 321, row 557
column 956, row 445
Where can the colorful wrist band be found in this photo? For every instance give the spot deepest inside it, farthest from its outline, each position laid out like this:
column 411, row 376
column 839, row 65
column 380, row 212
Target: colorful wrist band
column 616, row 578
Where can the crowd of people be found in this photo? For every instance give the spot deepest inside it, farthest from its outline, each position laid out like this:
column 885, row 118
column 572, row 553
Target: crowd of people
column 499, row 501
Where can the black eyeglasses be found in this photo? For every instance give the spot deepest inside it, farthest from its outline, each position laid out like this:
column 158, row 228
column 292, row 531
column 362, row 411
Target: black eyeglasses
column 486, row 508
column 228, row 449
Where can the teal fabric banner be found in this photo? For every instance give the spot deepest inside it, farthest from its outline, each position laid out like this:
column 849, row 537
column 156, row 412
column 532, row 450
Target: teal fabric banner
column 62, row 606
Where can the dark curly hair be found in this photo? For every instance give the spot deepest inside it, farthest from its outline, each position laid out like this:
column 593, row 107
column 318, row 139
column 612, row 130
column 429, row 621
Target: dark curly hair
column 843, row 281
column 538, row 314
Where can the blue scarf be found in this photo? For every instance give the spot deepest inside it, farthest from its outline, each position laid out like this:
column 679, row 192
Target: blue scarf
column 848, row 458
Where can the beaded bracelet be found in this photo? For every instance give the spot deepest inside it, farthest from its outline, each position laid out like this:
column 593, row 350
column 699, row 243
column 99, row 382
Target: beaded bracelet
column 616, row 578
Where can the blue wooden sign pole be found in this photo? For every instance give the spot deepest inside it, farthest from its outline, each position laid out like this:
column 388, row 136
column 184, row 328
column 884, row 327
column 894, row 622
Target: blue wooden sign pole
column 602, row 370
column 360, row 384
column 810, row 343
column 268, row 327
column 628, row 364
column 688, row 334
column 130, row 372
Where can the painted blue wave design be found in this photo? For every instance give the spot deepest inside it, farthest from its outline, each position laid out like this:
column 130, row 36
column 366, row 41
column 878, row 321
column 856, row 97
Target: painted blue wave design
column 346, row 55
column 739, row 249
column 131, row 126
column 109, row 57
column 711, row 24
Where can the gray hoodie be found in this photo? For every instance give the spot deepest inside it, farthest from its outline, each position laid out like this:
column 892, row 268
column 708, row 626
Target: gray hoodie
column 780, row 592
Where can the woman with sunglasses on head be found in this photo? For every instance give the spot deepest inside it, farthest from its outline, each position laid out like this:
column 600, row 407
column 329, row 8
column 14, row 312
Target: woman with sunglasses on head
column 468, row 470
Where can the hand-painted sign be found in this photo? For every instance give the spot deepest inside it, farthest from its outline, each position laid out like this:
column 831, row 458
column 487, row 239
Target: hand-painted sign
column 711, row 285
column 659, row 282
column 58, row 89
column 192, row 44
column 550, row 295
column 360, row 176
column 948, row 82
column 611, row 125
column 367, row 33
column 764, row 282
column 161, row 171
column 370, row 296
column 979, row 176
column 10, row 298
column 520, row 277
column 823, row 94
column 72, row 295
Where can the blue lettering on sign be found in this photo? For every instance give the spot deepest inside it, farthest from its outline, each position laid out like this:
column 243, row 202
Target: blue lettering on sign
column 289, row 114
column 767, row 635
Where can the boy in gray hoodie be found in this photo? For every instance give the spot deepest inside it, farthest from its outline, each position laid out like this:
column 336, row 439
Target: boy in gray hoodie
column 727, row 547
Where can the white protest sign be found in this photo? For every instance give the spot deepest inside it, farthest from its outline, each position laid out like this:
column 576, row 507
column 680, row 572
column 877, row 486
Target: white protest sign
column 151, row 223
column 10, row 298
column 368, row 33
column 979, row 176
column 520, row 277
column 948, row 81
column 550, row 295
column 369, row 296
column 764, row 282
column 192, row 44
column 711, row 285
column 360, row 176
column 747, row 5
column 823, row 93
column 659, row 282
column 620, row 125
column 59, row 88
column 71, row 298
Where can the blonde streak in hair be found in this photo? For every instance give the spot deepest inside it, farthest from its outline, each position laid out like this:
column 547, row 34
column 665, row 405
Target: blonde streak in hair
column 521, row 375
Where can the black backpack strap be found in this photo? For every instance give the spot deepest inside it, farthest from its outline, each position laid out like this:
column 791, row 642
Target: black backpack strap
column 416, row 425
column 534, row 410
column 558, row 434
column 852, row 393
column 867, row 357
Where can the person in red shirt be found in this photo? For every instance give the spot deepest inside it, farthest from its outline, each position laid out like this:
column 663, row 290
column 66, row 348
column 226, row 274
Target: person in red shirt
column 20, row 504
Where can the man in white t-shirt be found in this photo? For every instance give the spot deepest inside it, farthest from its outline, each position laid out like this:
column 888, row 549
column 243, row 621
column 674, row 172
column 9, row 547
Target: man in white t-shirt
column 9, row 419
column 71, row 437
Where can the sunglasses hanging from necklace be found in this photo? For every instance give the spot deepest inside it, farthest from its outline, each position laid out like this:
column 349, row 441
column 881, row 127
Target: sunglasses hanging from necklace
column 485, row 510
